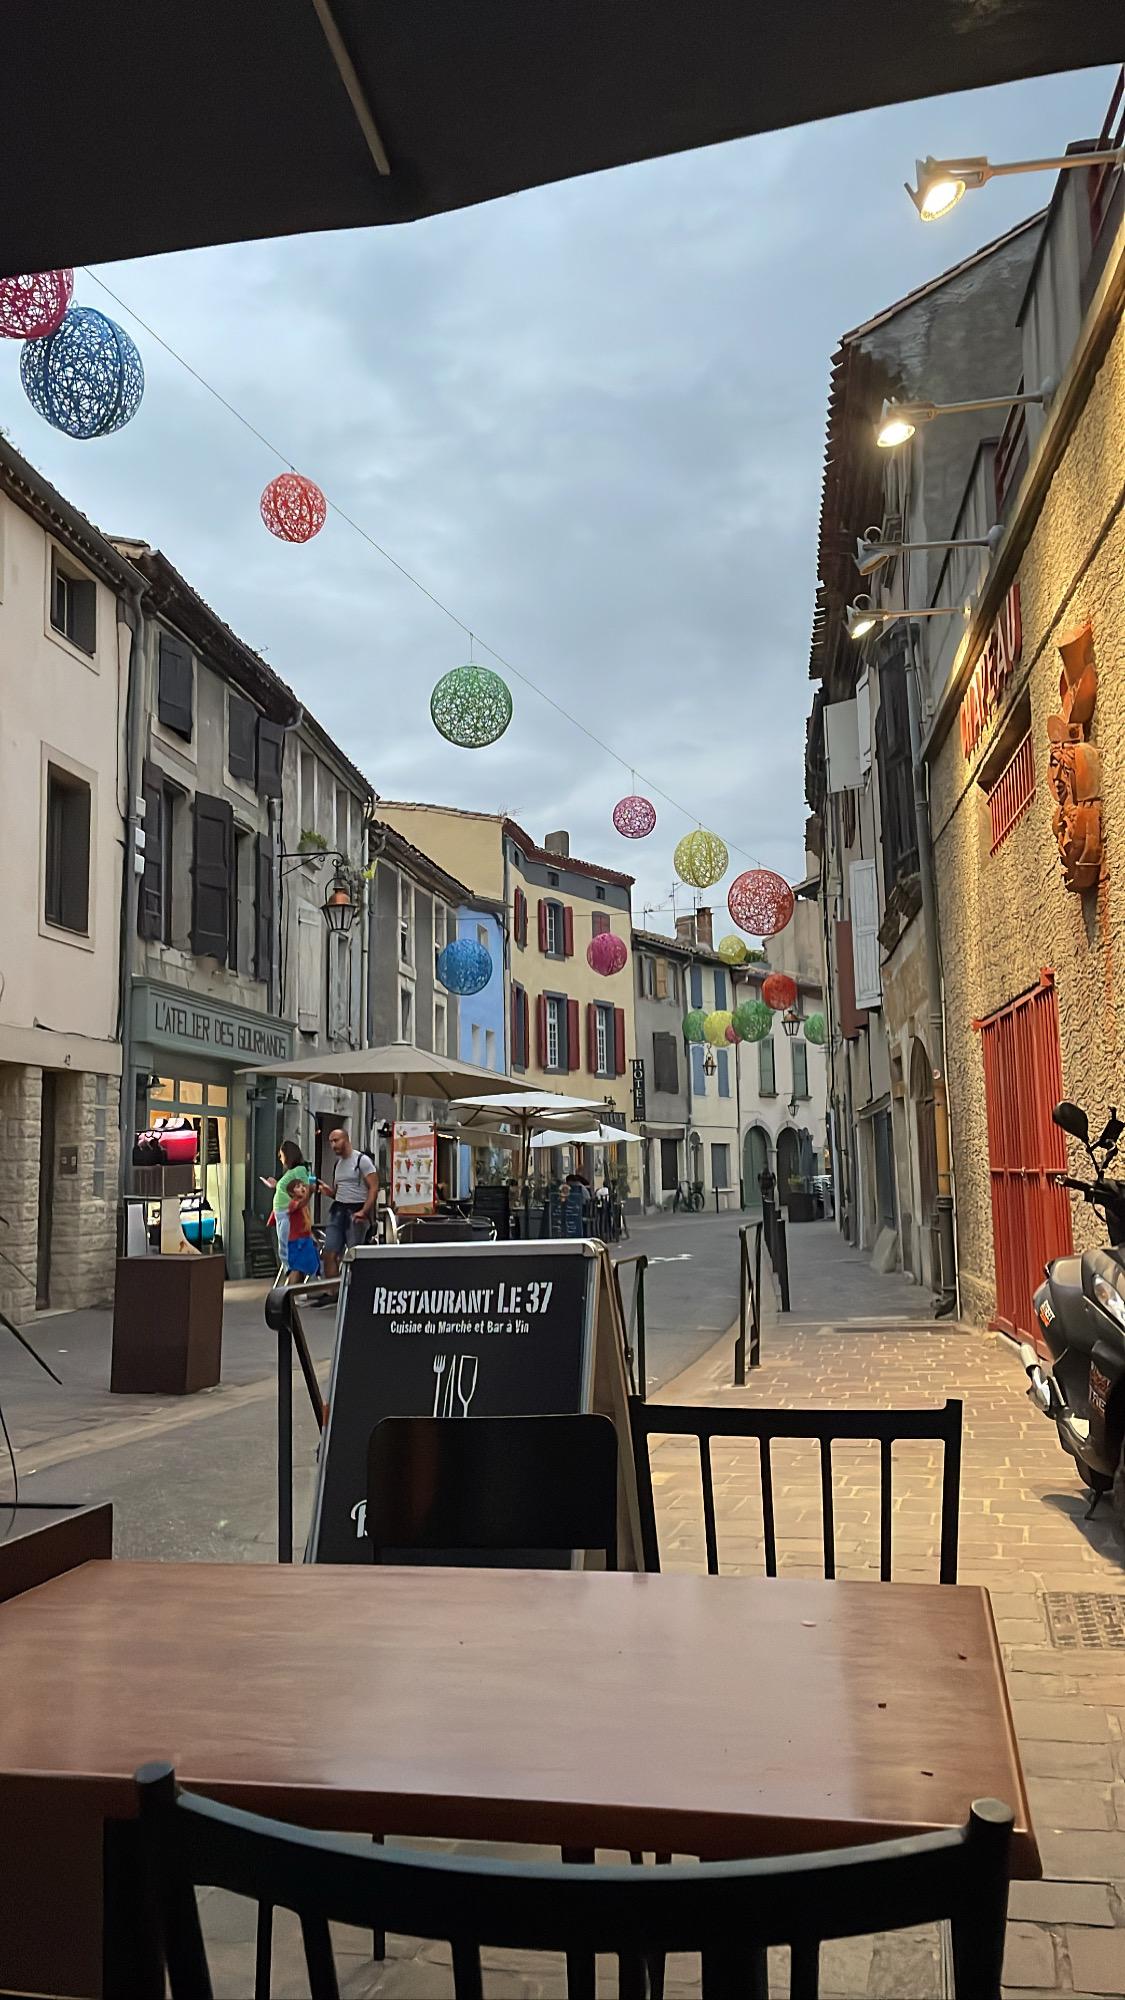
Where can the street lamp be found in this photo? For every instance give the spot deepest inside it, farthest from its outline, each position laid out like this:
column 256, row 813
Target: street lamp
column 871, row 553
column 791, row 1022
column 339, row 909
column 941, row 183
column 899, row 421
column 862, row 617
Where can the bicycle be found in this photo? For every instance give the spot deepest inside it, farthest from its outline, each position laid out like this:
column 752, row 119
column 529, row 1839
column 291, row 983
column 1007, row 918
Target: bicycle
column 690, row 1198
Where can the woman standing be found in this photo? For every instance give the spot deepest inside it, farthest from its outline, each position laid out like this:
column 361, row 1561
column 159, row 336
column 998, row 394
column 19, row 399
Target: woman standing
column 293, row 1169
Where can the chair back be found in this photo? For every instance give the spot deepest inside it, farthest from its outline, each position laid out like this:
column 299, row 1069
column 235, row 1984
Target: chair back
column 492, row 1484
column 704, row 1422
column 728, row 1913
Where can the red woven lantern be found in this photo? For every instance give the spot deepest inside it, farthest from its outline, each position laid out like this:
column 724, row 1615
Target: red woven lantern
column 606, row 953
column 33, row 306
column 634, row 817
column 760, row 902
column 779, row 991
column 293, row 508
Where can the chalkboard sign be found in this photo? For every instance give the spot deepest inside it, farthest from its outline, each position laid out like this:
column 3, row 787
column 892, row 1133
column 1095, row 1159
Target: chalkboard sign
column 453, row 1330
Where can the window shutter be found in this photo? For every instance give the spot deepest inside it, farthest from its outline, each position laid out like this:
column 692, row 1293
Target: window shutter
column 698, row 1073
column 271, row 748
column 573, row 1051
column 665, row 1063
column 212, row 847
column 800, row 1070
column 264, row 928
column 720, row 988
column 619, row 1041
column 851, row 1019
column 568, row 931
column 150, row 909
column 662, row 979
column 242, row 738
column 542, row 923
column 541, row 1024
column 339, row 985
column 599, row 922
column 863, row 719
column 525, row 1024
column 310, row 967
column 767, row 1079
column 697, row 986
column 723, row 1060
column 520, row 917
column 174, row 686
column 865, row 934
column 592, row 1038
column 232, row 907
column 514, row 1026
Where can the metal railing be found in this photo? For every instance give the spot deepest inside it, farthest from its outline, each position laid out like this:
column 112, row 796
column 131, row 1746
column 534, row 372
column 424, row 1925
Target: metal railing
column 771, row 1232
column 285, row 1322
column 634, row 1321
column 777, row 1247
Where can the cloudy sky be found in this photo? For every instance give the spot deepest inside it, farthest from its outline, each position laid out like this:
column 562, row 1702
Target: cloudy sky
column 590, row 419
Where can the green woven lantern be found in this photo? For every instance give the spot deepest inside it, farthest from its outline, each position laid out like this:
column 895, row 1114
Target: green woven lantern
column 471, row 706
column 733, row 950
column 716, row 1025
column 693, row 1025
column 816, row 1031
column 753, row 1021
column 701, row 859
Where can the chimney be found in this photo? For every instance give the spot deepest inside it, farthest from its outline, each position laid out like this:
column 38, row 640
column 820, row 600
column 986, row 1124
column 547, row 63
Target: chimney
column 685, row 929
column 703, row 931
column 557, row 843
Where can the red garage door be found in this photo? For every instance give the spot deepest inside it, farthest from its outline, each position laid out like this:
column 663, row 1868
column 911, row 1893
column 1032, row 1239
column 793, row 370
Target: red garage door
column 1030, row 1215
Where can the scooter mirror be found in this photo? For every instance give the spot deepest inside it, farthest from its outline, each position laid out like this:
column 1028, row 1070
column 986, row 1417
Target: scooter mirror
column 1072, row 1119
column 1113, row 1131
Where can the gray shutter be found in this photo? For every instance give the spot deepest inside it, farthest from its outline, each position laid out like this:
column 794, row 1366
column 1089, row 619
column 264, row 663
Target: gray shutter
column 271, row 748
column 174, row 686
column 767, row 1080
column 232, row 906
column 865, row 934
column 242, row 738
column 150, row 908
column 800, row 1070
column 212, row 849
column 264, row 929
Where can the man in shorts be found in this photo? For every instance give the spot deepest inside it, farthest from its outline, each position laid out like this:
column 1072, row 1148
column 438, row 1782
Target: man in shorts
column 353, row 1189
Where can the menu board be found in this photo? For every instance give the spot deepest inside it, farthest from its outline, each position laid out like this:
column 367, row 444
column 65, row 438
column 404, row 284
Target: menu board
column 413, row 1168
column 447, row 1330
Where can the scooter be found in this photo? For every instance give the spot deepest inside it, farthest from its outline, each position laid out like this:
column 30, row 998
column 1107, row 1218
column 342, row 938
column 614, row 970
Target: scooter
column 1080, row 1308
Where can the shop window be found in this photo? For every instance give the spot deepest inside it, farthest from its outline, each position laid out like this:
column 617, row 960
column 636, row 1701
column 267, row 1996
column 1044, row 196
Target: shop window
column 74, row 600
column 66, row 888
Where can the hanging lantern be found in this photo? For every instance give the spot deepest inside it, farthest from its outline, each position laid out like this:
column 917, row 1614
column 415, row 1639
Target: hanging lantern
column 816, row 1030
column 715, row 1026
column 464, row 966
column 701, row 859
column 732, row 951
column 634, row 817
column 606, row 953
column 339, row 907
column 791, row 1022
column 693, row 1025
column 753, row 1020
column 31, row 307
column 471, row 706
column 760, row 902
column 87, row 378
column 293, row 508
column 779, row 991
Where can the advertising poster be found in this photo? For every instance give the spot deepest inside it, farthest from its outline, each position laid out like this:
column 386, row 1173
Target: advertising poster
column 413, row 1168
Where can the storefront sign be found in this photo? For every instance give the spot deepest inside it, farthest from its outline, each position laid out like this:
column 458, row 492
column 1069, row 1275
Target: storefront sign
column 413, row 1168
column 487, row 1330
column 998, row 661
column 182, row 1021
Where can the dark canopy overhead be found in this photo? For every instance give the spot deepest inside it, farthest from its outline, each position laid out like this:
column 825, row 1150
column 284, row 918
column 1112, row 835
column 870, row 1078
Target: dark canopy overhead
column 131, row 126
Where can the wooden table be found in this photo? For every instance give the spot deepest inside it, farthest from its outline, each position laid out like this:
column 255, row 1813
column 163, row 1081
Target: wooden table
column 702, row 1715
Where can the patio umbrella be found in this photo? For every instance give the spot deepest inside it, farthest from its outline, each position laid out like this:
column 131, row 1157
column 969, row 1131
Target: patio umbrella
column 129, row 128
column 396, row 1069
column 599, row 1135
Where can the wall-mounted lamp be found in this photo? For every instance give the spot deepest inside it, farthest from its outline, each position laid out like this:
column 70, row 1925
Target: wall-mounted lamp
column 339, row 907
column 871, row 553
column 941, row 183
column 862, row 617
column 791, row 1022
column 900, row 420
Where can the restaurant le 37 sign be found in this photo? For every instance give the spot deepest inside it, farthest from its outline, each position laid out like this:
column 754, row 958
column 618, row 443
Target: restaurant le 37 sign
column 1000, row 656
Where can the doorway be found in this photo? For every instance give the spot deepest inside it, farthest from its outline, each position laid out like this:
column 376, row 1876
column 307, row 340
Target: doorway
column 1030, row 1212
column 47, row 1121
column 755, row 1162
column 788, row 1163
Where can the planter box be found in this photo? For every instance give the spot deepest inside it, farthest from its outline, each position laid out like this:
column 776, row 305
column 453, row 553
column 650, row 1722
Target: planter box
column 801, row 1206
column 167, row 1325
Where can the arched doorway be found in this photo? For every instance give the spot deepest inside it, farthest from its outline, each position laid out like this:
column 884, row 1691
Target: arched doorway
column 788, row 1163
column 755, row 1160
column 922, row 1099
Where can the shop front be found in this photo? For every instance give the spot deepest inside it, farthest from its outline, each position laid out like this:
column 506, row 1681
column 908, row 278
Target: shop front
column 187, row 1060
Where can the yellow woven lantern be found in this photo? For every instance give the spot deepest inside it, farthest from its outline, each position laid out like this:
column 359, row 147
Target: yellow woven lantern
column 715, row 1027
column 701, row 859
column 732, row 950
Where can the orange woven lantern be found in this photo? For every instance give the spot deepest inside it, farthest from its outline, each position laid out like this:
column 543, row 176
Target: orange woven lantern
column 779, row 991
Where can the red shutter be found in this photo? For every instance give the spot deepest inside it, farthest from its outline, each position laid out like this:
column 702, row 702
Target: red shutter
column 541, row 1026
column 519, row 917
column 568, row 931
column 592, row 1039
column 542, row 924
column 525, row 1006
column 573, row 1052
column 619, row 1041
column 517, row 1023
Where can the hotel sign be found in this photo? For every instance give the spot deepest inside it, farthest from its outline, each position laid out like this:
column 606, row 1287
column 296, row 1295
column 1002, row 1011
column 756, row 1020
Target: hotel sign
column 999, row 659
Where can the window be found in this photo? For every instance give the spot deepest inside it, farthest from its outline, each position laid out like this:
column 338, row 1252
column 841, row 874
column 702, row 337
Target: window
column 406, row 1013
column 556, row 1032
column 722, row 1061
column 439, row 1026
column 800, row 1069
column 66, row 896
column 767, row 1080
column 603, row 1030
column 490, row 1048
column 242, row 920
column 673, row 982
column 599, row 922
column 720, row 988
column 475, row 1044
column 405, row 920
column 896, row 776
column 665, row 1063
column 212, row 874
column 669, row 1165
column 553, row 877
column 172, row 803
column 175, row 687
column 720, row 1166
column 73, row 605
column 520, row 1021
column 482, row 936
column 553, row 928
column 599, row 892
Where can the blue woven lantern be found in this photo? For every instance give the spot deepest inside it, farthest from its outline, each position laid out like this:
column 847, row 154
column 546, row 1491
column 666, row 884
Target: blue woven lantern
column 464, row 966
column 87, row 379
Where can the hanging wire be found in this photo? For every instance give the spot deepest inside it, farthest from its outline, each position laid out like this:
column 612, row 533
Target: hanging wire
column 508, row 665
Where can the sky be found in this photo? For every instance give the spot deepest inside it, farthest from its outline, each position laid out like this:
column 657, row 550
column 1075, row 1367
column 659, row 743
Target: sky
column 590, row 420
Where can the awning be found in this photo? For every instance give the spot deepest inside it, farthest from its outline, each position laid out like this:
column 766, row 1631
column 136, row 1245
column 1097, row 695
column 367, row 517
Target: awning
column 130, row 128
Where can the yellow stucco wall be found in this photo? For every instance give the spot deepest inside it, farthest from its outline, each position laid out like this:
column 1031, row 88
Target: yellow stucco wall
column 573, row 976
column 469, row 845
column 1005, row 916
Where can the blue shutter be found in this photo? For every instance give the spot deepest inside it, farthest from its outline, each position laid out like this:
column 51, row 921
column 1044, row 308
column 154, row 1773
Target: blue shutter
column 697, row 986
column 720, row 988
column 698, row 1077
column 724, row 1073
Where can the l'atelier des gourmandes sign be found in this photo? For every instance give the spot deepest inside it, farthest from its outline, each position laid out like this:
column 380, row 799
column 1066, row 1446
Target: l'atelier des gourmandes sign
column 185, row 1021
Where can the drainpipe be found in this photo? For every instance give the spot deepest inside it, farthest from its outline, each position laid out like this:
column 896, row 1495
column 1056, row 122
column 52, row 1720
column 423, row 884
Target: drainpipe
column 130, row 891
column 946, row 1302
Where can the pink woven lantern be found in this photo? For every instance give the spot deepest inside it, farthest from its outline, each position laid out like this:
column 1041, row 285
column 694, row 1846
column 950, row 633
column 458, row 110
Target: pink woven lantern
column 634, row 816
column 779, row 991
column 760, row 902
column 33, row 306
column 606, row 953
column 733, row 1034
column 293, row 508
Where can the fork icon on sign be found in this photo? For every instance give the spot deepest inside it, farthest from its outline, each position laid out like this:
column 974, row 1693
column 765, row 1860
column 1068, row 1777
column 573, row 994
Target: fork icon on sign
column 439, row 1369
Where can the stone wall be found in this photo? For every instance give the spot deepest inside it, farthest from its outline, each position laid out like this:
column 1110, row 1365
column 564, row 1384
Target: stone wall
column 84, row 1232
column 1006, row 916
column 20, row 1097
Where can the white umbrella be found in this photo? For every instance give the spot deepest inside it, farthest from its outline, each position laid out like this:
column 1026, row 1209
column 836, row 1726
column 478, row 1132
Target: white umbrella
column 600, row 1135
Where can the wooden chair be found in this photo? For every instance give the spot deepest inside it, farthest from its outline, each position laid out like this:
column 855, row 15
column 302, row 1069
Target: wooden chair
column 729, row 1913
column 826, row 1427
column 492, row 1485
